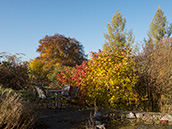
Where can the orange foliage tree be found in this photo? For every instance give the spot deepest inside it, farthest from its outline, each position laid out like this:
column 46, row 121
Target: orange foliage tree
column 57, row 52
column 60, row 49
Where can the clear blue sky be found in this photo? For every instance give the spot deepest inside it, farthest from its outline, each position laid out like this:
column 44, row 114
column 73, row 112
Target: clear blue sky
column 24, row 22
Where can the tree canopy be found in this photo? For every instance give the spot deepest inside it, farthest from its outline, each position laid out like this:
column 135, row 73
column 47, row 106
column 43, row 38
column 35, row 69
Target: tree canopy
column 60, row 49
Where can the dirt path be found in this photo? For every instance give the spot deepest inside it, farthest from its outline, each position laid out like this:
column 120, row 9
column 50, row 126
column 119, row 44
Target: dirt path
column 67, row 118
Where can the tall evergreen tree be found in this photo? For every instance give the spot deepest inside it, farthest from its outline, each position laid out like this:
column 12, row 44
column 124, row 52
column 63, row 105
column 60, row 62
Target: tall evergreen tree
column 158, row 28
column 117, row 37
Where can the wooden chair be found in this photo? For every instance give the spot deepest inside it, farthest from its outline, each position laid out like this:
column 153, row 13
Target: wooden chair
column 41, row 94
column 65, row 93
column 74, row 93
column 65, row 90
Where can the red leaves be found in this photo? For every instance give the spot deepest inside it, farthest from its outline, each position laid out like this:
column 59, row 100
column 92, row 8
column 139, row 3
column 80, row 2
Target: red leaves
column 73, row 76
column 100, row 51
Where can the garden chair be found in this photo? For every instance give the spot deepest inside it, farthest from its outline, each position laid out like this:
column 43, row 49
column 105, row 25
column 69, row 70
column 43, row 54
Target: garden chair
column 73, row 95
column 41, row 94
column 65, row 90
column 64, row 93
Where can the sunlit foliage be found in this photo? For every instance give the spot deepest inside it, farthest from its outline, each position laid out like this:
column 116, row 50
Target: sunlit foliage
column 60, row 49
column 107, row 78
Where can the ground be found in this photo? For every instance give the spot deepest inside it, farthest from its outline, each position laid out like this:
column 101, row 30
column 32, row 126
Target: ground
column 63, row 118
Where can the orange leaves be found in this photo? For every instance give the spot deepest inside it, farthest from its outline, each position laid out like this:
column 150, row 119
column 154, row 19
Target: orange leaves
column 66, row 51
column 54, row 50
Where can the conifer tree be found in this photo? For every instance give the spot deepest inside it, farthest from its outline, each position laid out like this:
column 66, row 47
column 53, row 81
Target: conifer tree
column 117, row 37
column 158, row 28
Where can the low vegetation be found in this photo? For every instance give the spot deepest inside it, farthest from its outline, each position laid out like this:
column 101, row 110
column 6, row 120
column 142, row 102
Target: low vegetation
column 15, row 112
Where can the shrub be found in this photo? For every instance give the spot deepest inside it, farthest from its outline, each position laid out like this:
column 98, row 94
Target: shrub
column 75, row 76
column 111, row 80
column 107, row 78
column 65, row 76
column 37, row 74
column 13, row 72
column 15, row 112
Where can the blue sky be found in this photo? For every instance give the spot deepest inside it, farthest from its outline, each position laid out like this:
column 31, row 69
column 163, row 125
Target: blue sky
column 24, row 22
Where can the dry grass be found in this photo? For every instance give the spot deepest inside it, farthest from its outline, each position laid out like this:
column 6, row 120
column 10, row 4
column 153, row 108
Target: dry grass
column 15, row 113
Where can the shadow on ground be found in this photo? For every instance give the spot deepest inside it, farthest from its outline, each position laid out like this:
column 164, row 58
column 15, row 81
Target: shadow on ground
column 63, row 118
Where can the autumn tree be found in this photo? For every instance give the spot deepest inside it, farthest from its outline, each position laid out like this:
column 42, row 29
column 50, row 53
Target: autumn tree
column 155, row 75
column 56, row 52
column 153, row 60
column 159, row 27
column 162, row 70
column 60, row 49
column 117, row 37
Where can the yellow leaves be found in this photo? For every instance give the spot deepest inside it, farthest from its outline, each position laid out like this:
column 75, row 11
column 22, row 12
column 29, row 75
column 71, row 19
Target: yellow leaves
column 106, row 79
column 36, row 65
column 109, row 59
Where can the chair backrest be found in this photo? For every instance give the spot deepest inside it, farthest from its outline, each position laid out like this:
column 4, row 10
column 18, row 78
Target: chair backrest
column 65, row 90
column 40, row 92
column 75, row 91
